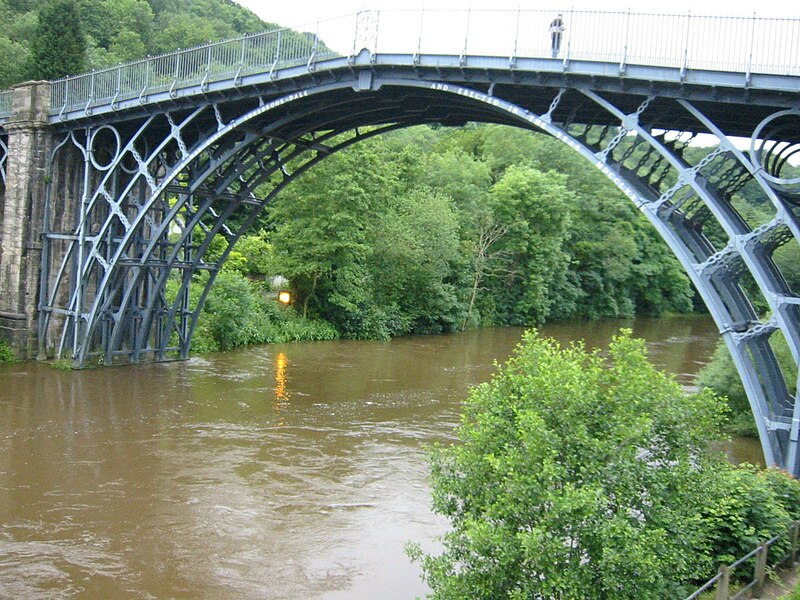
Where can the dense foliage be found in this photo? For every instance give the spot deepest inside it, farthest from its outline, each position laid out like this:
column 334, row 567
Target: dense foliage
column 47, row 40
column 58, row 45
column 580, row 476
column 432, row 230
column 6, row 353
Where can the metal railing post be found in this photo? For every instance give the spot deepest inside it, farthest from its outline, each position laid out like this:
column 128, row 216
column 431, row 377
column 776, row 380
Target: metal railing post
column 146, row 80
column 87, row 108
column 277, row 58
column 419, row 39
column 118, row 90
column 512, row 61
column 241, row 61
column 311, row 58
column 172, row 92
column 748, row 74
column 760, row 570
column 463, row 59
column 377, row 27
column 623, row 61
column 66, row 98
column 355, row 34
column 685, row 65
column 204, row 83
column 724, row 583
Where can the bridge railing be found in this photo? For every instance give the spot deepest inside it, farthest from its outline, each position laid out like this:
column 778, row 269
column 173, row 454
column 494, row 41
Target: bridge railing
column 743, row 44
column 725, row 43
column 758, row 561
column 229, row 59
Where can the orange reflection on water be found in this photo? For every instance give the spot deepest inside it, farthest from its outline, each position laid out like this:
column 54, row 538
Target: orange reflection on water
column 281, row 395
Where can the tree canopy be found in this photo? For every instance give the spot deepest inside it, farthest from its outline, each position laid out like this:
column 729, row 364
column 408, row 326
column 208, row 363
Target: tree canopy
column 584, row 476
column 48, row 40
column 58, row 45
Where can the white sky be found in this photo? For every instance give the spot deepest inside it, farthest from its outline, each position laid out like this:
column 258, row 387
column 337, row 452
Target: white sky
column 299, row 12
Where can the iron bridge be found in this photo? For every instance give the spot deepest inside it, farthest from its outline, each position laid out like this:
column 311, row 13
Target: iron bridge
column 147, row 163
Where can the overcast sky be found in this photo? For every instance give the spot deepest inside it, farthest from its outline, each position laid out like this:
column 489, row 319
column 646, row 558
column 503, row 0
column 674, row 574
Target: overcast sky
column 299, row 12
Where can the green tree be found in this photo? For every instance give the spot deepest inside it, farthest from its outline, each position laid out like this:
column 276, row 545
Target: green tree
column 368, row 248
column 322, row 241
column 111, row 18
column 258, row 255
column 533, row 207
column 176, row 30
column 58, row 47
column 576, row 477
column 416, row 252
column 13, row 57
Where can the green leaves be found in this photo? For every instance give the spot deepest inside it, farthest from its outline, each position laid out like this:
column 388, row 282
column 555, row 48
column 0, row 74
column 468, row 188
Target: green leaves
column 368, row 252
column 58, row 47
column 48, row 40
column 585, row 476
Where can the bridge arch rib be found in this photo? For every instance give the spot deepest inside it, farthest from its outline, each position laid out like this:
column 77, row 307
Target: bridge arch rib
column 156, row 191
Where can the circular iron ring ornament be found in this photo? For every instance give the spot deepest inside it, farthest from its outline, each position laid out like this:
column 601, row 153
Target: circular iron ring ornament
column 769, row 161
column 99, row 144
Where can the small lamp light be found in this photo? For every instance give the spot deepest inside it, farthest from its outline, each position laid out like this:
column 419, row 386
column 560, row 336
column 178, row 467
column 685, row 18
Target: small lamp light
column 285, row 297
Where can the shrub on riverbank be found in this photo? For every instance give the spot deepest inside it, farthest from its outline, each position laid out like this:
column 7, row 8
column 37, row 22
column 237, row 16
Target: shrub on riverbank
column 585, row 477
column 6, row 354
column 240, row 312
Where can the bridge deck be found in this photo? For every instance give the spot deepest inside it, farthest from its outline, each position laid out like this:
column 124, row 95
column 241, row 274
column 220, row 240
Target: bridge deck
column 736, row 104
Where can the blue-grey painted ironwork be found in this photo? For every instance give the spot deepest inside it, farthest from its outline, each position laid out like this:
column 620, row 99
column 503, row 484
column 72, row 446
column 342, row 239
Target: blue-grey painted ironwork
column 181, row 150
column 3, row 158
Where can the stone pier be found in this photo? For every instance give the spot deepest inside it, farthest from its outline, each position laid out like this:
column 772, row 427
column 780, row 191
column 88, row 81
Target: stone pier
column 21, row 220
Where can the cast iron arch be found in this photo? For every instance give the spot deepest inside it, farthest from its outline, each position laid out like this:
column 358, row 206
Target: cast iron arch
column 146, row 202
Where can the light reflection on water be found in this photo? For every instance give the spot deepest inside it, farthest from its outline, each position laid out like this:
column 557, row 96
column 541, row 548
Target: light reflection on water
column 281, row 472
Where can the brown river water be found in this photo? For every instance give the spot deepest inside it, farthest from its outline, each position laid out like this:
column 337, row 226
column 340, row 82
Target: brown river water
column 275, row 472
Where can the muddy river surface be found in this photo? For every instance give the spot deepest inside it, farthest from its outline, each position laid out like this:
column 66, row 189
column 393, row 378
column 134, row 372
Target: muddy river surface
column 275, row 472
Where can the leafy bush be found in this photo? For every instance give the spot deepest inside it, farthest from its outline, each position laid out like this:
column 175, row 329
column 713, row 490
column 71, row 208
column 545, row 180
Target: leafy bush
column 6, row 354
column 240, row 312
column 62, row 364
column 577, row 477
column 750, row 506
column 721, row 375
column 584, row 477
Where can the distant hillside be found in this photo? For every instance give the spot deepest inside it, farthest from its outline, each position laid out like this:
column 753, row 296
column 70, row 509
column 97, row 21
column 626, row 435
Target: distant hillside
column 115, row 31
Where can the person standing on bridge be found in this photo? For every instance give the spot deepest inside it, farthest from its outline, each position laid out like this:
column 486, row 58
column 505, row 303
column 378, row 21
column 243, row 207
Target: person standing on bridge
column 557, row 27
